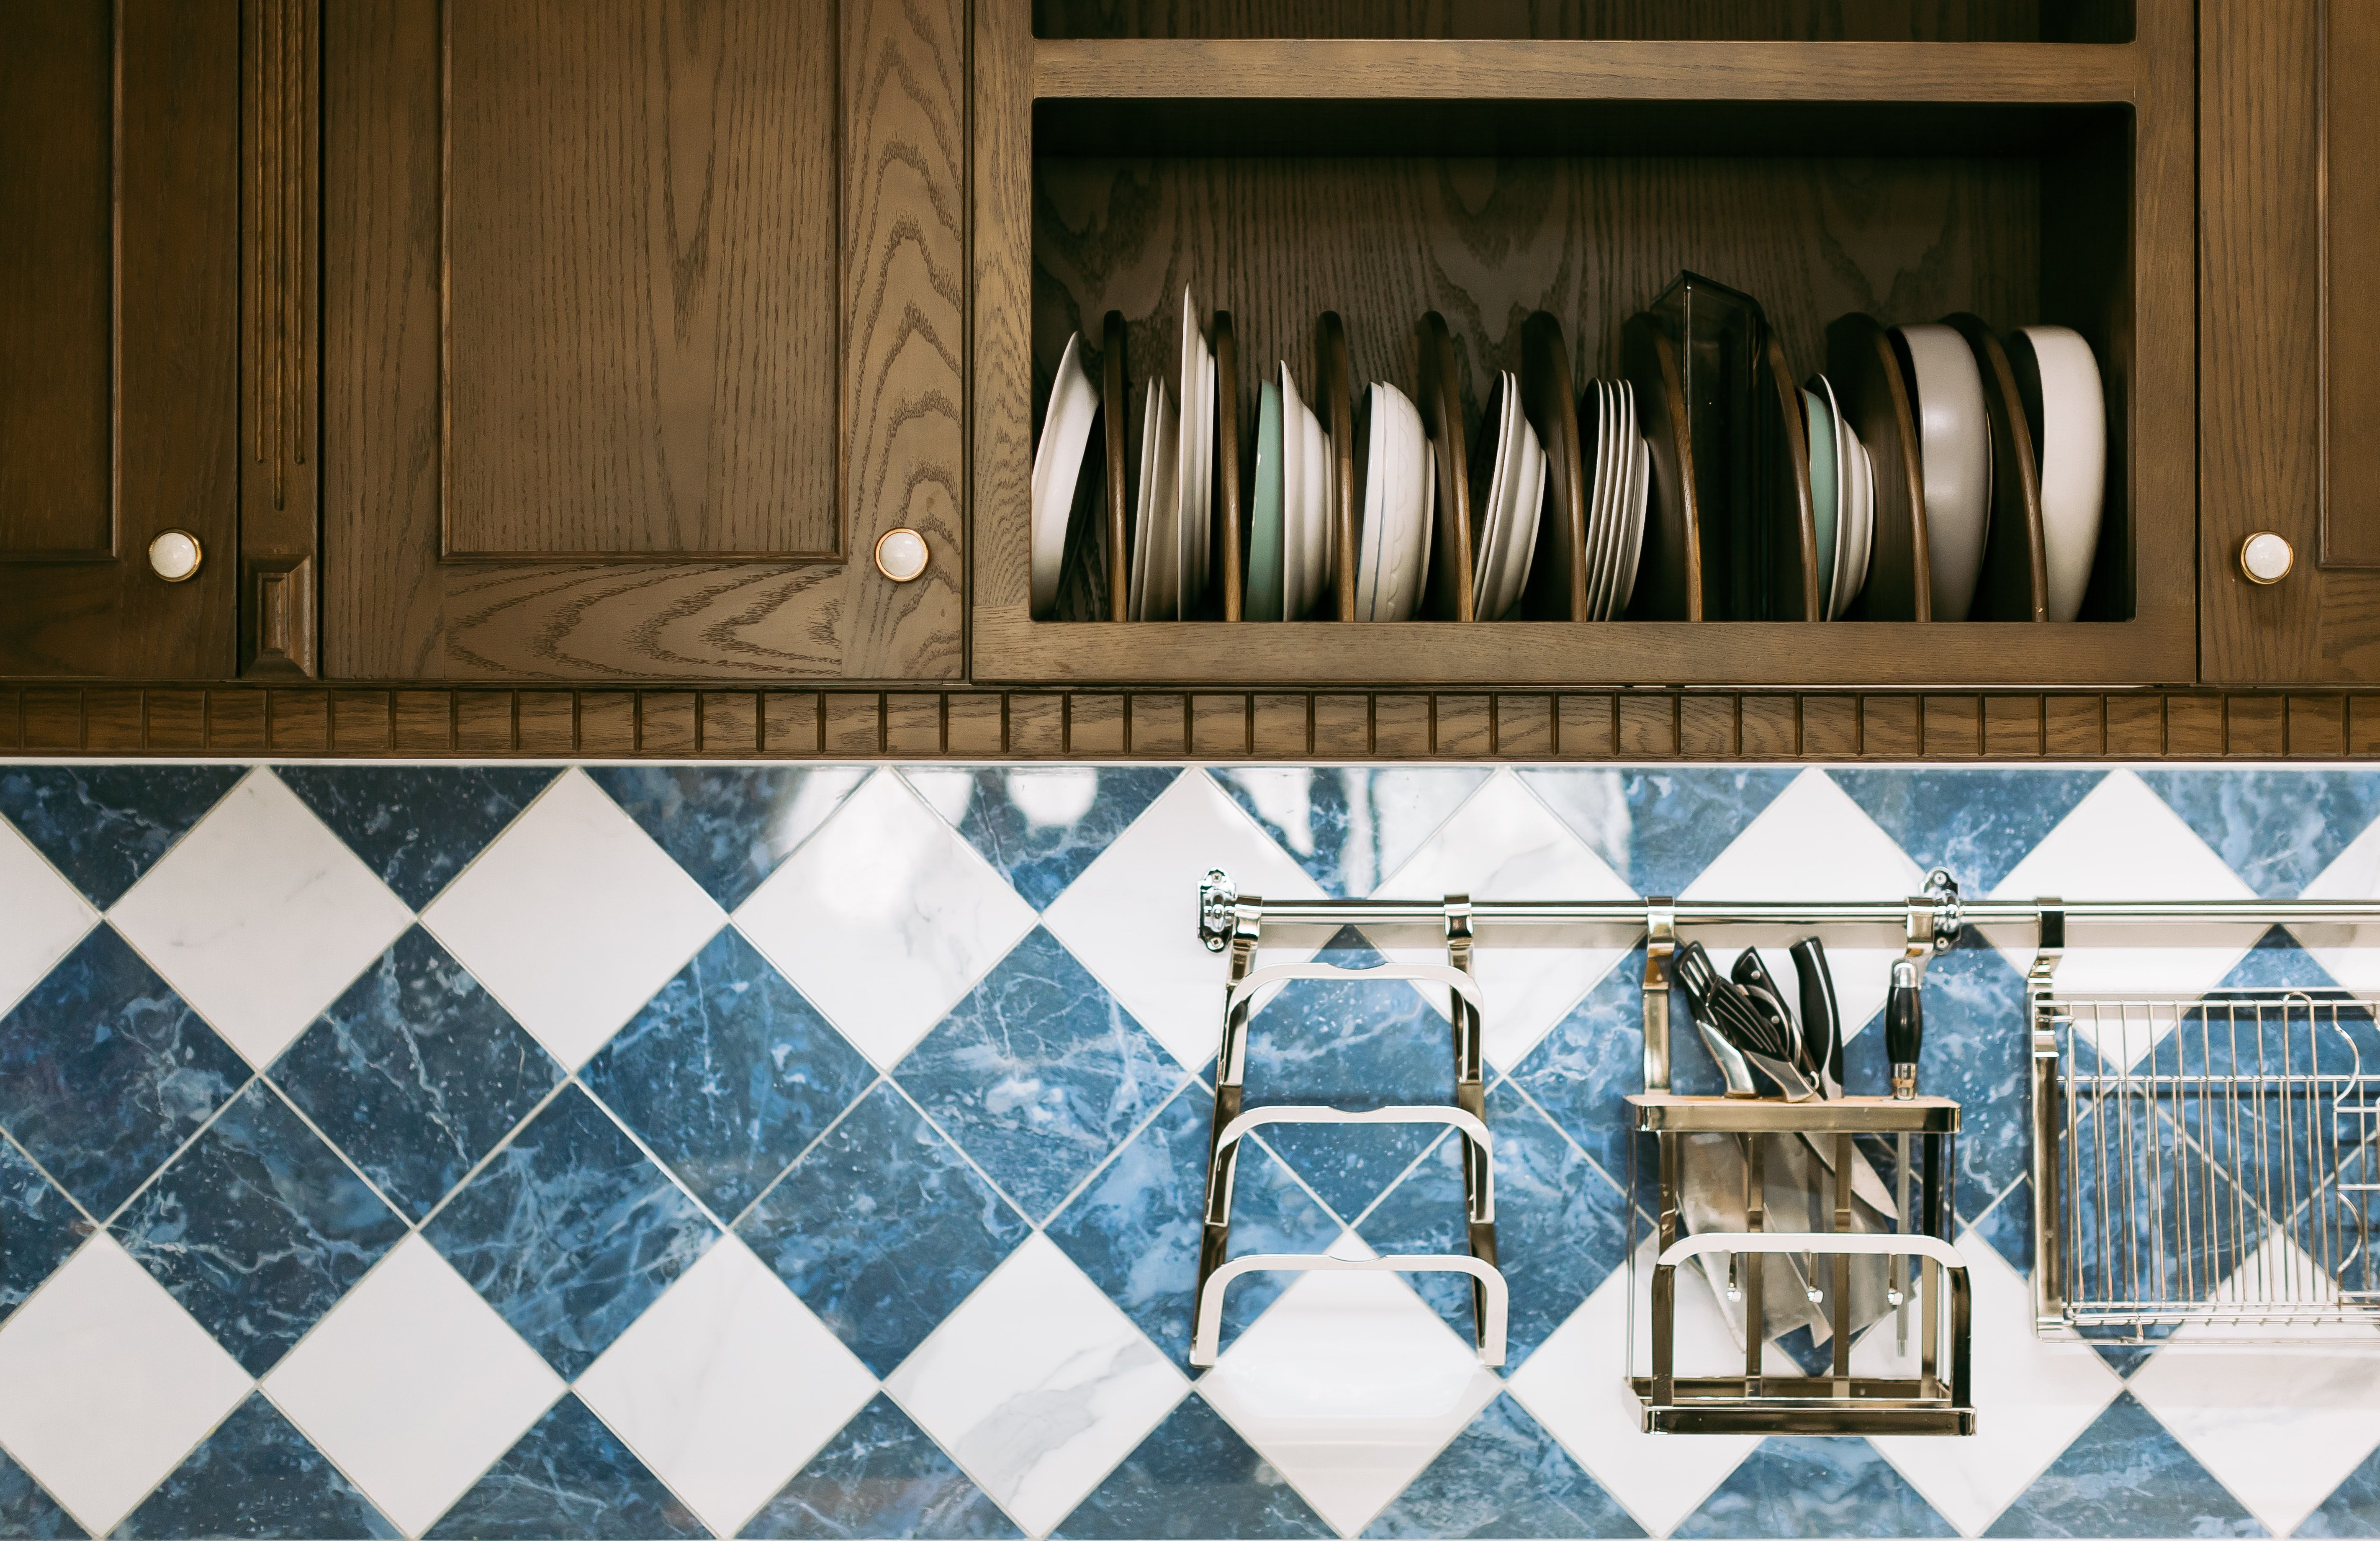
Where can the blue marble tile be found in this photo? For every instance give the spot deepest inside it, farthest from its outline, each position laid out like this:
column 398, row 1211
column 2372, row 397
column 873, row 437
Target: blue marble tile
column 105, row 1072
column 1040, row 827
column 2277, row 829
column 415, row 1071
column 1040, row 1073
column 1979, row 823
column 2352, row 1508
column 1659, row 826
column 417, row 826
column 1350, row 827
column 881, row 1476
column 728, row 826
column 570, row 1233
column 28, row 1513
column 1830, row 1486
column 104, row 826
column 1560, row 1224
column 2008, row 1225
column 1352, row 1044
column 256, row 1476
column 568, row 1479
column 258, row 1229
column 728, row 1073
column 883, row 1228
column 1192, row 1477
column 1503, row 1476
column 1975, row 1053
column 39, row 1229
column 1134, row 1230
column 2126, row 1476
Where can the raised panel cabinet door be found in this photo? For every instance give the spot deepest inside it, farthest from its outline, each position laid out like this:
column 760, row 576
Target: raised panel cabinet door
column 642, row 328
column 2289, row 339
column 119, row 313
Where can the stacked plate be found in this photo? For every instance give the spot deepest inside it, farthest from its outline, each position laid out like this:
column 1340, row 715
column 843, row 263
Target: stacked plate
column 2057, row 380
column 1400, row 508
column 1175, row 517
column 1842, row 496
column 1292, row 537
column 1623, row 481
column 1057, row 467
column 1508, row 492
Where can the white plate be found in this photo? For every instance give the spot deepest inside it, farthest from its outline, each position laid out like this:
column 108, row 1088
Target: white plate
column 1158, row 431
column 1194, row 527
column 1626, row 447
column 2070, row 437
column 1826, row 497
column 1058, row 466
column 1525, row 511
column 1859, row 518
column 1836, row 598
column 1596, row 543
column 1631, row 540
column 1393, row 537
column 1294, row 514
column 1487, row 552
column 1955, row 455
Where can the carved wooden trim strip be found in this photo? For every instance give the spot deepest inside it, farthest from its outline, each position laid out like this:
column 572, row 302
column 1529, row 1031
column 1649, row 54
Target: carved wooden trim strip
column 1340, row 725
column 280, row 240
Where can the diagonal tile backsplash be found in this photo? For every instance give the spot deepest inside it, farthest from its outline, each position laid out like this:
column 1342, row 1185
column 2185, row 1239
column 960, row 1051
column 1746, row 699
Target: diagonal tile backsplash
column 777, row 1151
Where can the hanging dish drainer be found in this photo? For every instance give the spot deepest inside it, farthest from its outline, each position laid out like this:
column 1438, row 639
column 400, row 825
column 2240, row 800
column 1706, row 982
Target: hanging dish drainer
column 2203, row 1160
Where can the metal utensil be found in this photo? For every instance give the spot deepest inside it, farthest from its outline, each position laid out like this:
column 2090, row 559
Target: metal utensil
column 1725, row 1006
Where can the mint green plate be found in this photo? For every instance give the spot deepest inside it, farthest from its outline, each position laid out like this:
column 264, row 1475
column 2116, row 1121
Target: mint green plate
column 1820, row 421
column 1264, row 601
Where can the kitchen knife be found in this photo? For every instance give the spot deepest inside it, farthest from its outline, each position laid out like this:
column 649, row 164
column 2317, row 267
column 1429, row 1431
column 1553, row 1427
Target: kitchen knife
column 1726, row 1007
column 1822, row 1022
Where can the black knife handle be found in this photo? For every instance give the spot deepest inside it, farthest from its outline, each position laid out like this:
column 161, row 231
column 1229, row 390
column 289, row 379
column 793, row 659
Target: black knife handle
column 1904, row 1027
column 1822, row 1019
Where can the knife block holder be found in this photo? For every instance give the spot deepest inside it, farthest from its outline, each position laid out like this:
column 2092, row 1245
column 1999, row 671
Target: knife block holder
column 1759, row 1400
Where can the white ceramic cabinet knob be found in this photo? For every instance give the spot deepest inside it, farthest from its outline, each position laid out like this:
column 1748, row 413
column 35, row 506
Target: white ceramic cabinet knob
column 174, row 555
column 901, row 555
column 2266, row 557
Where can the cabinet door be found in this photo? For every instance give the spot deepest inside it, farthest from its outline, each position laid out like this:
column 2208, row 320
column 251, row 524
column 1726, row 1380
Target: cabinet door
column 2290, row 338
column 642, row 326
column 119, row 158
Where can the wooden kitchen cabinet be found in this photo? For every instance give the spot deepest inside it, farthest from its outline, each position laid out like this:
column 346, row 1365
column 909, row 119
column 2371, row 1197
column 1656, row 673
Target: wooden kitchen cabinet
column 119, row 313
column 642, row 323
column 2290, row 338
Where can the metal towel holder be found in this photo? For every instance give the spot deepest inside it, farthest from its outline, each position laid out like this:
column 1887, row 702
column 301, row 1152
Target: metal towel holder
column 2164, row 1176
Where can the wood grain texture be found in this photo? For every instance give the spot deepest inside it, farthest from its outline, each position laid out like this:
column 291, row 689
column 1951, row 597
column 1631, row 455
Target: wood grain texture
column 280, row 236
column 57, row 166
column 1599, row 71
column 640, row 271
column 394, row 609
column 1939, row 20
column 2351, row 235
column 145, row 110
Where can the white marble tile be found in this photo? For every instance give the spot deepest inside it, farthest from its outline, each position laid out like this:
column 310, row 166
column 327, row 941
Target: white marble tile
column 1349, row 1386
column 259, row 916
column 2031, row 1398
column 108, row 1383
column 573, row 919
column 2279, row 1422
column 42, row 917
column 2349, row 953
column 884, row 919
column 1576, row 1385
column 1037, row 1385
column 726, row 1386
column 1132, row 917
column 413, row 1385
column 1813, row 842
column 948, row 792
column 1504, row 844
column 2124, row 842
